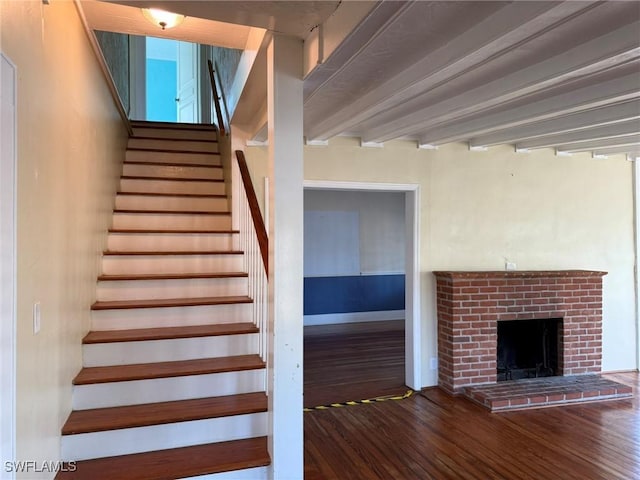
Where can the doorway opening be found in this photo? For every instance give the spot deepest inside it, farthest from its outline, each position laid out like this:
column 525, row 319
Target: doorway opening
column 172, row 85
column 361, row 291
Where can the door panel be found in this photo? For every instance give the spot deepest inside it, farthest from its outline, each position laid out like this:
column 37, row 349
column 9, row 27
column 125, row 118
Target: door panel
column 188, row 81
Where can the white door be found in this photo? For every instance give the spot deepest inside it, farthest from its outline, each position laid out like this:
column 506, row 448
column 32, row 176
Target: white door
column 7, row 262
column 188, row 83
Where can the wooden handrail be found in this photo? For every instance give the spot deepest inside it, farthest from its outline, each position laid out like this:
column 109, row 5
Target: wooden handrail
column 216, row 98
column 256, row 215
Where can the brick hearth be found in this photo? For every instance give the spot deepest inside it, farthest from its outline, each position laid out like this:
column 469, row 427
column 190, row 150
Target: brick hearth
column 547, row 392
column 471, row 303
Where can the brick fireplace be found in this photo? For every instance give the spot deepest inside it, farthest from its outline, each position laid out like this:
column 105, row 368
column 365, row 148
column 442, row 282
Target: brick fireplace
column 470, row 305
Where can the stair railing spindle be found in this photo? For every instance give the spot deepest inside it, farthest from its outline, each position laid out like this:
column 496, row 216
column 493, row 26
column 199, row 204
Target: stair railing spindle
column 254, row 243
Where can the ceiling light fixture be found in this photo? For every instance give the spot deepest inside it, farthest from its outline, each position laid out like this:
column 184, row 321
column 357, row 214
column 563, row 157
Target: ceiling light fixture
column 162, row 18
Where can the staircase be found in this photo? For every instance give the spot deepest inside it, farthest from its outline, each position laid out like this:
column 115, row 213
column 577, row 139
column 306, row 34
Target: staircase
column 173, row 385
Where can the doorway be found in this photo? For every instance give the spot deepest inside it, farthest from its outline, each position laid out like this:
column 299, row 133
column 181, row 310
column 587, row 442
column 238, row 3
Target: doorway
column 411, row 324
column 8, row 162
column 166, row 73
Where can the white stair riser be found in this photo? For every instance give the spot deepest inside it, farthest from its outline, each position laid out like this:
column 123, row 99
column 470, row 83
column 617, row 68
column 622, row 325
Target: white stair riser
column 175, row 133
column 159, row 437
column 139, row 392
column 171, row 171
column 174, row 242
column 171, row 288
column 179, row 204
column 170, row 317
column 173, row 145
column 138, row 264
column 135, row 185
column 169, row 221
column 172, row 157
column 171, row 350
column 257, row 473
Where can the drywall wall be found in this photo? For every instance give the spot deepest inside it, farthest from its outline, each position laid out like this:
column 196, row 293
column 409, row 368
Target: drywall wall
column 70, row 145
column 353, row 254
column 380, row 227
column 481, row 209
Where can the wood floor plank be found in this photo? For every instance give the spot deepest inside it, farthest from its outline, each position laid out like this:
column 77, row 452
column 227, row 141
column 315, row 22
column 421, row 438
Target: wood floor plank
column 433, row 435
column 353, row 362
column 437, row 436
column 191, row 331
column 130, row 416
column 169, row 302
column 143, row 371
column 175, row 463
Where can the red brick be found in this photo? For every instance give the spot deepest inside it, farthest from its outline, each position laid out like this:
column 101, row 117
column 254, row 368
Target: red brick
column 573, row 396
column 557, row 397
column 594, row 393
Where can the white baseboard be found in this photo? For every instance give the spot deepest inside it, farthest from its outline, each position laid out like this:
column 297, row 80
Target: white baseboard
column 353, row 317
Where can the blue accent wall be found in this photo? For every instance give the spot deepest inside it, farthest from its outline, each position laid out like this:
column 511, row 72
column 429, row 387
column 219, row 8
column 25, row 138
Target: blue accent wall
column 162, row 79
column 362, row 293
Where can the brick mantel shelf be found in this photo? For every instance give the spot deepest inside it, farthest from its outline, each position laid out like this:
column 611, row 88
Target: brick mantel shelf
column 470, row 303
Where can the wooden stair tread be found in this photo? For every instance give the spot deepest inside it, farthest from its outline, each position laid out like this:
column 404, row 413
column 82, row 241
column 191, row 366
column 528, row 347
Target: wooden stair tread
column 172, row 125
column 170, row 212
column 167, row 333
column 131, row 416
column 168, row 164
column 169, row 302
column 171, row 231
column 168, row 150
column 162, row 194
column 171, row 252
column 146, row 371
column 143, row 137
column 170, row 276
column 171, row 179
column 175, row 463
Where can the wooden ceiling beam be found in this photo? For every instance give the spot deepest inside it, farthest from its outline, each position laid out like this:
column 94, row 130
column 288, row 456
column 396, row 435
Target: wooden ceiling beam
column 597, row 55
column 496, row 34
column 603, row 94
column 609, row 115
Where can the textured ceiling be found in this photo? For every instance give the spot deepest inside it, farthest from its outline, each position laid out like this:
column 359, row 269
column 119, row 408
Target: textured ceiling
column 111, row 17
column 296, row 18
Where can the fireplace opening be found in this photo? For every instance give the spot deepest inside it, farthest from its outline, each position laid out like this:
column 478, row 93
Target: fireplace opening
column 527, row 348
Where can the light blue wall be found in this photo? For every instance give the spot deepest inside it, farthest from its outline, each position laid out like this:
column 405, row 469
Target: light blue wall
column 162, row 78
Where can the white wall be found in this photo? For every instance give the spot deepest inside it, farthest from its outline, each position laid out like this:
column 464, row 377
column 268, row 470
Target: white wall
column 379, row 228
column 479, row 209
column 70, row 145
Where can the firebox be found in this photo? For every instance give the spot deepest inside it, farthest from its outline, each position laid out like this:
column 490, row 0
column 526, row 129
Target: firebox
column 528, row 348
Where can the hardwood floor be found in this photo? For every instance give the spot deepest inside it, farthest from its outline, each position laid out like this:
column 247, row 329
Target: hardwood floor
column 348, row 362
column 433, row 435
